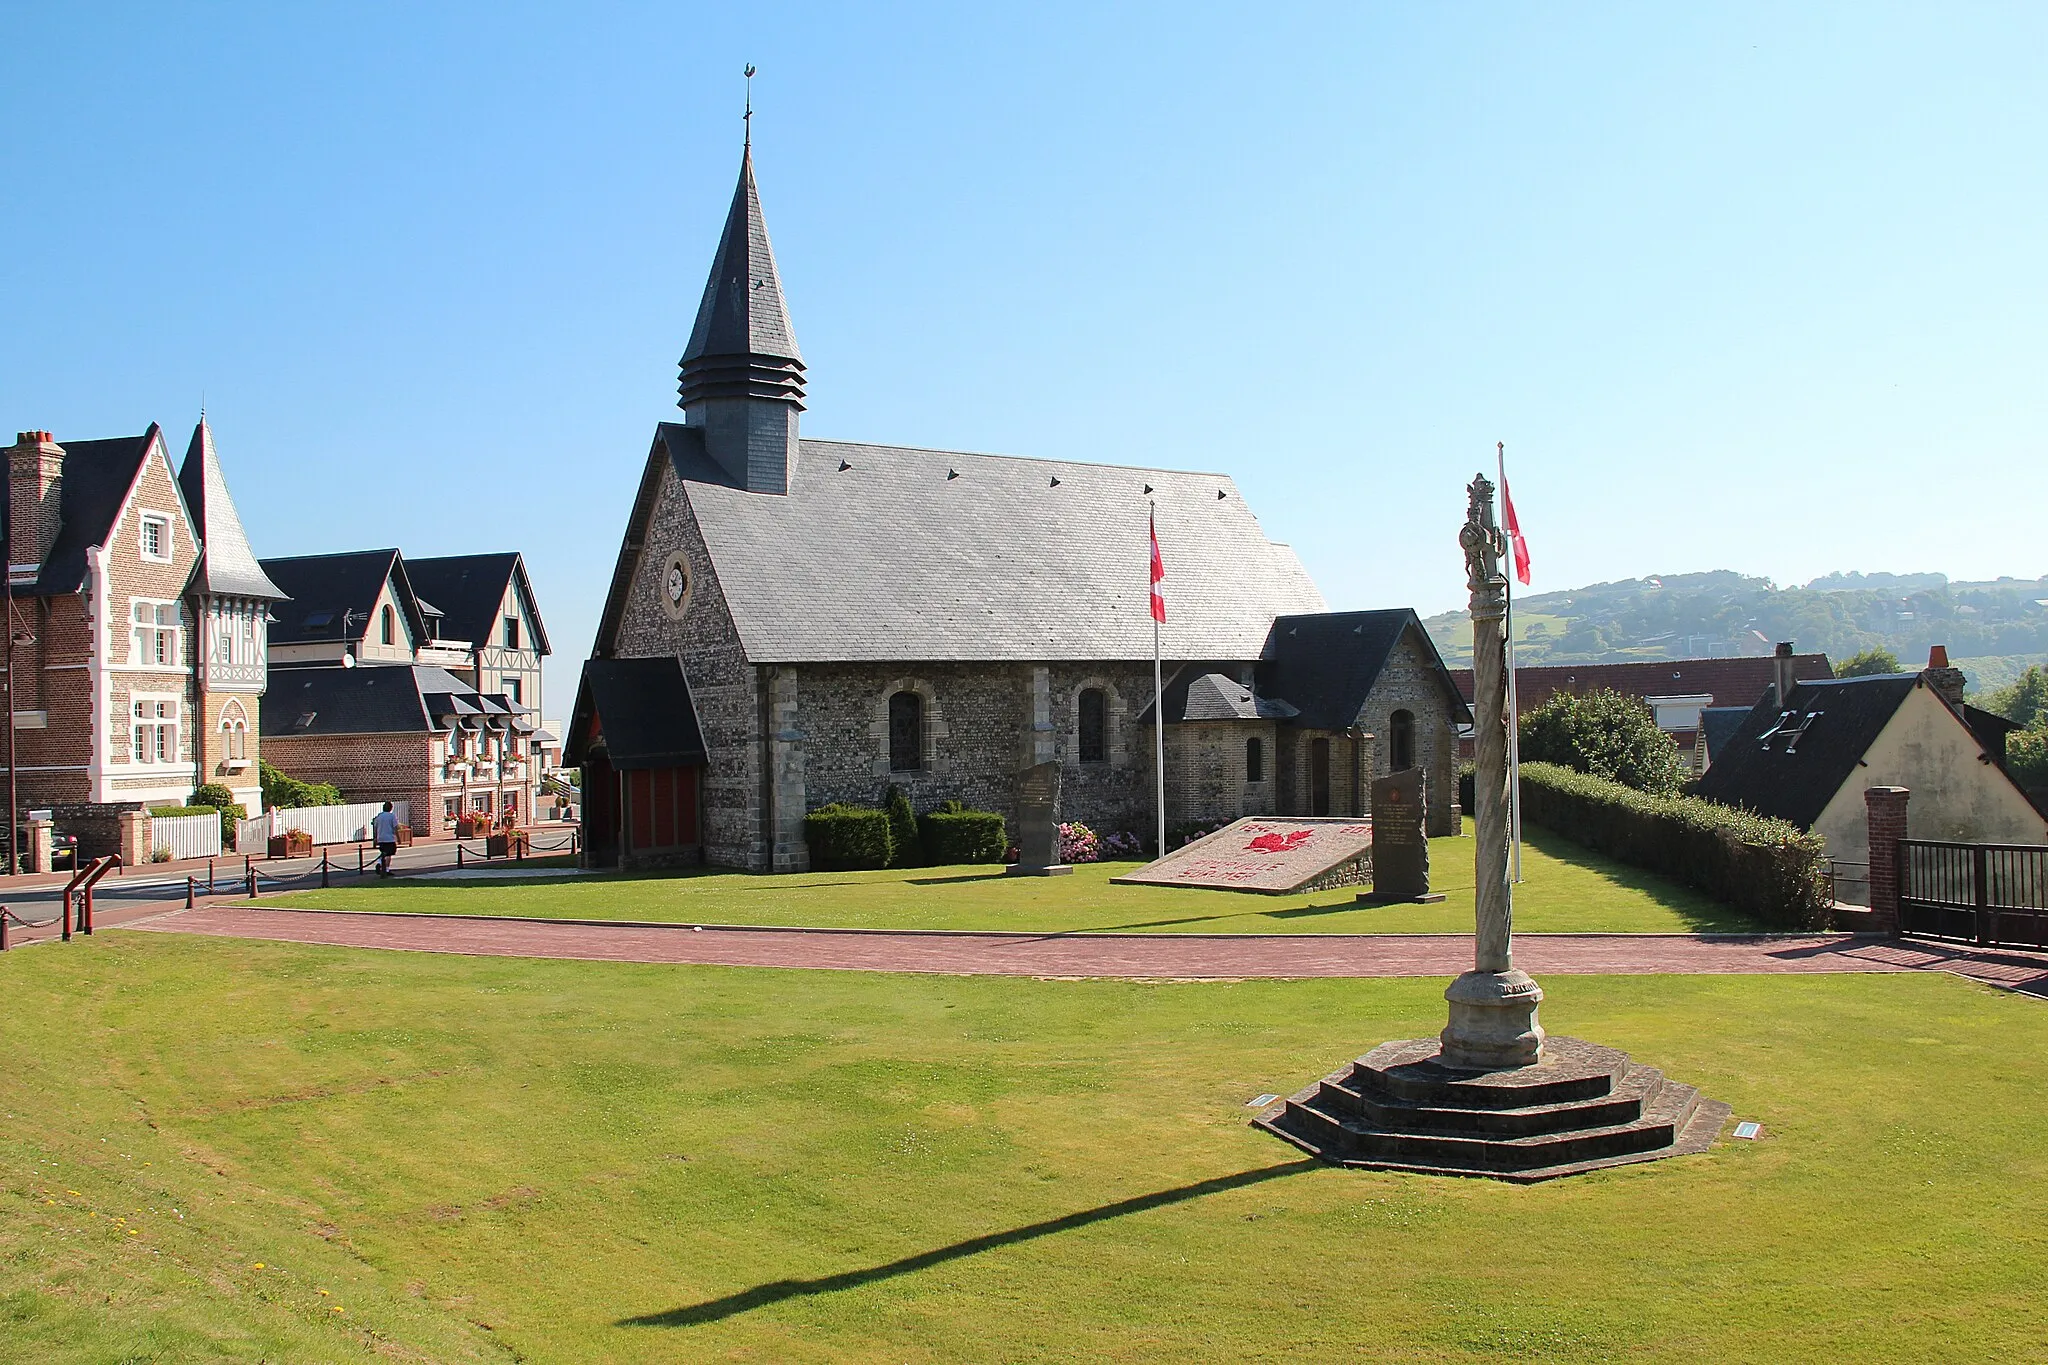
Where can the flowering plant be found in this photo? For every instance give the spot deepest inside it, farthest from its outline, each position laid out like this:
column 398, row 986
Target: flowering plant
column 1122, row 845
column 1078, row 844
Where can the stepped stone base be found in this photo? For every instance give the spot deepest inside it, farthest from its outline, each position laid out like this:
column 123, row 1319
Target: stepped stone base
column 1581, row 1108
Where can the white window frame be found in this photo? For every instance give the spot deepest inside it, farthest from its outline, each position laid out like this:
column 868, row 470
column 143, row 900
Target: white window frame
column 166, row 648
column 166, row 540
column 153, row 721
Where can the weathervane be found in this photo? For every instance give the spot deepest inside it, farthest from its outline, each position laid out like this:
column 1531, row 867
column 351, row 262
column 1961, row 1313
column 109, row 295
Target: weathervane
column 748, row 117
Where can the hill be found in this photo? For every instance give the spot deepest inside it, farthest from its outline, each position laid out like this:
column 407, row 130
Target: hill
column 1993, row 630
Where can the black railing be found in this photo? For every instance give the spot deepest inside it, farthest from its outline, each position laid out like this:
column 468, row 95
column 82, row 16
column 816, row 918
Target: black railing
column 1989, row 894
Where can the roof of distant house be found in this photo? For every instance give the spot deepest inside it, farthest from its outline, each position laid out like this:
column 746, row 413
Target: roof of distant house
column 886, row 553
column 642, row 710
column 1720, row 724
column 1730, row 682
column 469, row 589
column 334, row 596
column 371, row 699
column 227, row 565
column 1789, row 762
column 97, row 477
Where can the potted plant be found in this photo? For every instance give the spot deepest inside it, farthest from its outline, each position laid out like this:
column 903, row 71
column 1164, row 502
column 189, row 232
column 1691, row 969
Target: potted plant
column 291, row 843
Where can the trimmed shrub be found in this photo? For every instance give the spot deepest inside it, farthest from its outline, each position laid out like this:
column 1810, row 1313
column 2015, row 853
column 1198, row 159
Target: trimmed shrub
column 169, row 812
column 905, row 847
column 846, row 838
column 1770, row 869
column 215, row 795
column 282, row 790
column 1606, row 734
column 952, row 834
column 1468, row 799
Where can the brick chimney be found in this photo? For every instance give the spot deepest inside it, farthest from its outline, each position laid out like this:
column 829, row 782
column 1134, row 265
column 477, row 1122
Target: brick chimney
column 36, row 464
column 1948, row 682
column 1781, row 674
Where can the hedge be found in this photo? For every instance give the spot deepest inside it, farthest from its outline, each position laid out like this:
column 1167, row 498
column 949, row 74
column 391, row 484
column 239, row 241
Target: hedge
column 963, row 836
column 846, row 838
column 1770, row 869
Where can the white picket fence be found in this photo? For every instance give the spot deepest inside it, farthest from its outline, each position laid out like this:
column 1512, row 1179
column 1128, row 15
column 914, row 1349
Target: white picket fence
column 327, row 824
column 186, row 836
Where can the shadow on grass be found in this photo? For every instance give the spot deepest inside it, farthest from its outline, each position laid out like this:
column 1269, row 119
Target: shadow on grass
column 1302, row 912
column 948, row 881
column 778, row 1291
column 1701, row 913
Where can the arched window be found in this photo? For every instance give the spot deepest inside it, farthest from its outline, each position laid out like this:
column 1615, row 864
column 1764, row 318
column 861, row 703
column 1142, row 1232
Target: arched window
column 1094, row 726
column 1255, row 760
column 1400, row 741
column 389, row 626
column 234, row 733
column 906, row 732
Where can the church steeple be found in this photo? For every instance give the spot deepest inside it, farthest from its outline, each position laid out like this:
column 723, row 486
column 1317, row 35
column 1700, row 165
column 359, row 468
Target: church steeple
column 742, row 377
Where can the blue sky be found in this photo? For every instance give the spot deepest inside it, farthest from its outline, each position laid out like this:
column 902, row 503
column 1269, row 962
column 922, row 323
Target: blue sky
column 1748, row 287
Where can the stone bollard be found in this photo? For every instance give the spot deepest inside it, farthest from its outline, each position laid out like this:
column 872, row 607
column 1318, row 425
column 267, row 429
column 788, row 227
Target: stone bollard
column 42, row 851
column 1884, row 813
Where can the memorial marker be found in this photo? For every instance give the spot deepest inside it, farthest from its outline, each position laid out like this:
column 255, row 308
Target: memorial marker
column 1273, row 854
column 1038, row 824
column 1400, row 848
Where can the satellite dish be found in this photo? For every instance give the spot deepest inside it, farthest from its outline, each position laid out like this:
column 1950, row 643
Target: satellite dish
column 348, row 661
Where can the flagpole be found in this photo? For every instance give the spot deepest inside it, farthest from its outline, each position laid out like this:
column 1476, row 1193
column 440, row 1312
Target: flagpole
column 1514, row 715
column 1158, row 693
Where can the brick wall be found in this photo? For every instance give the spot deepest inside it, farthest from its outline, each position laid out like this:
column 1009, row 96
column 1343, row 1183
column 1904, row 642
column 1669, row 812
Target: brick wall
column 370, row 768
column 1885, row 814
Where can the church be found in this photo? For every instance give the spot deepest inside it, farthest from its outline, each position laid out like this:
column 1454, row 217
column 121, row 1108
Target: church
column 794, row 622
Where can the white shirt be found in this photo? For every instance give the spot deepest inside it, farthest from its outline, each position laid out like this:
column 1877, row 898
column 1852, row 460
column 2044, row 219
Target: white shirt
column 384, row 827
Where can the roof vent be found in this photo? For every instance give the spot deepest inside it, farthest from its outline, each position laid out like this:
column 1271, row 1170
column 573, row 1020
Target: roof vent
column 952, row 474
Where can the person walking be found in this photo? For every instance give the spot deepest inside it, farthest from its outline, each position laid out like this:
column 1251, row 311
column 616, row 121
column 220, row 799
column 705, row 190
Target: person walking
column 384, row 829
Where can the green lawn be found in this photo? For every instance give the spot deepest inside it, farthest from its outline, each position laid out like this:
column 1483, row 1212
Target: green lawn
column 500, row 1159
column 1567, row 889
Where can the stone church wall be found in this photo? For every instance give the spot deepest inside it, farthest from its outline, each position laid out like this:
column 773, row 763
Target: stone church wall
column 725, row 687
column 1410, row 681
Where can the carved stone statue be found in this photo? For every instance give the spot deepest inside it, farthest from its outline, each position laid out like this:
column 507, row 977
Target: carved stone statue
column 1493, row 1006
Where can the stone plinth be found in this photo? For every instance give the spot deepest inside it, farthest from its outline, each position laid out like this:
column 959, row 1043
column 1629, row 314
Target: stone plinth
column 1582, row 1108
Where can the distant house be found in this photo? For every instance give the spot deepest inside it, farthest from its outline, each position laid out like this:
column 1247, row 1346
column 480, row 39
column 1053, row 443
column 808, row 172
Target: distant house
column 411, row 733
column 140, row 618
column 464, row 627
column 1810, row 758
column 1676, row 690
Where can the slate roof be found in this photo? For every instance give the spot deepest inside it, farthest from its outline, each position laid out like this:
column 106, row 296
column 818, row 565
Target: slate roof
column 467, row 591
column 643, row 711
column 1326, row 663
column 332, row 597
column 930, row 555
column 1730, row 682
column 1316, row 673
column 227, row 566
column 366, row 700
column 97, row 477
column 742, row 341
column 1720, row 724
column 1813, row 746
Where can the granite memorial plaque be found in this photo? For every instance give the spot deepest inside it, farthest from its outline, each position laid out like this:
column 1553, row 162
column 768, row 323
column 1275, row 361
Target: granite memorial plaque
column 1270, row 853
column 1038, row 823
column 1400, row 848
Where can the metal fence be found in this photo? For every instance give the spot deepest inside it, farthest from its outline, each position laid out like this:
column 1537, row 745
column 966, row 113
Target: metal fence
column 1990, row 894
column 186, row 836
column 327, row 824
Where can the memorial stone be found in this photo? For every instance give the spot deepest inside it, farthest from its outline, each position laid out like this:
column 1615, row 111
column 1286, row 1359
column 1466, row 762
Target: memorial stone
column 1038, row 823
column 1400, row 848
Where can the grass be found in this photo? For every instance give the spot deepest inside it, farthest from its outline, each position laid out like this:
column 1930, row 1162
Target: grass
column 1567, row 889
column 496, row 1159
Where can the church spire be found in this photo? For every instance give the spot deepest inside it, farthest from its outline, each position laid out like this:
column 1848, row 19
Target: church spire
column 742, row 376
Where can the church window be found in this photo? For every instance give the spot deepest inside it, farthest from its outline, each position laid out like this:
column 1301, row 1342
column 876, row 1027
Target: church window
column 1401, row 741
column 1255, row 760
column 1094, row 726
column 906, row 732
column 388, row 628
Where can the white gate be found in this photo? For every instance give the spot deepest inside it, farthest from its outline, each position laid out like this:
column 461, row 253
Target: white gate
column 186, row 836
column 327, row 824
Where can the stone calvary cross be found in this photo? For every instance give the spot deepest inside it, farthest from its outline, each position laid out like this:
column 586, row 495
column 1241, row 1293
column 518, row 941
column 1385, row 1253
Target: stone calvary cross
column 1492, row 1096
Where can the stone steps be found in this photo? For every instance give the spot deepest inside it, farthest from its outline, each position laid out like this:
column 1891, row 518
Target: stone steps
column 1583, row 1107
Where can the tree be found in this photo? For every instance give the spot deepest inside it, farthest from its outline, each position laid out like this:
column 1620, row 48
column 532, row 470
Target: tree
column 282, row 791
column 905, row 847
column 1868, row 663
column 2024, row 703
column 1606, row 734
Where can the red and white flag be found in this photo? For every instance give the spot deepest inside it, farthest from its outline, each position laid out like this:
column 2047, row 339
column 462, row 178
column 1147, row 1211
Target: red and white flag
column 1158, row 574
column 1515, row 540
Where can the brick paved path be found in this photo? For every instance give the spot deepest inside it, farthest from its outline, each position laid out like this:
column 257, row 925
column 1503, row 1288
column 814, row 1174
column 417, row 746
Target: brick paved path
column 1125, row 955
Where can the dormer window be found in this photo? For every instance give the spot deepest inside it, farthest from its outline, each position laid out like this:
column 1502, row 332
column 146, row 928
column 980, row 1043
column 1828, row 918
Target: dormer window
column 156, row 538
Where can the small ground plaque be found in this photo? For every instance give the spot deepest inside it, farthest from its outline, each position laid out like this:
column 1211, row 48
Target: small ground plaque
column 1269, row 853
column 1748, row 1129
